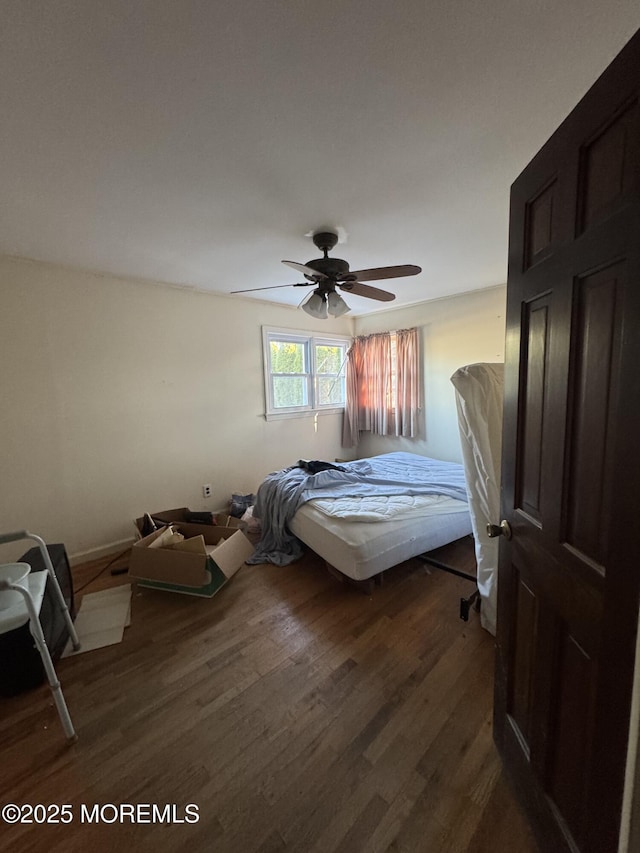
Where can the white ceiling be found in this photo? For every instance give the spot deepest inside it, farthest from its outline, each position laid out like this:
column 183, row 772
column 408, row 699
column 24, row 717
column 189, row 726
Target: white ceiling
column 197, row 142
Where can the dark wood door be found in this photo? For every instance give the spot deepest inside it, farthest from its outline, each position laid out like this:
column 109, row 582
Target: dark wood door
column 569, row 576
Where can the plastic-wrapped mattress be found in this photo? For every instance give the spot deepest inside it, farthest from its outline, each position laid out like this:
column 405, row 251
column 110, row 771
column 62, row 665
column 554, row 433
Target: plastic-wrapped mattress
column 479, row 393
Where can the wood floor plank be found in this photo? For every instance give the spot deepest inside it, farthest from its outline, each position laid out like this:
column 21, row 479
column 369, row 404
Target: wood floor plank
column 295, row 712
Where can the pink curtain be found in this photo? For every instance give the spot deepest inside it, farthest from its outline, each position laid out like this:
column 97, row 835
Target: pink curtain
column 372, row 404
column 407, row 388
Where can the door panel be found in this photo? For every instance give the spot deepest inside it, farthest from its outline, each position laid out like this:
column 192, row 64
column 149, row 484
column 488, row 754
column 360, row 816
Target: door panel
column 535, row 328
column 521, row 682
column 607, row 167
column 540, row 224
column 593, row 392
column 572, row 722
column 569, row 578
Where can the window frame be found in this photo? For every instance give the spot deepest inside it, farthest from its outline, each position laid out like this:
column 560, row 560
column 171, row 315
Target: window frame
column 310, row 340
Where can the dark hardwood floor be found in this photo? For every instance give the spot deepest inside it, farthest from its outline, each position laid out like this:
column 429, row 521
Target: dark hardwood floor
column 296, row 713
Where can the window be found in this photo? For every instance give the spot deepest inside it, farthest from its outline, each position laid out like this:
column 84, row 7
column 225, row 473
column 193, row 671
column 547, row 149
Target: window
column 304, row 374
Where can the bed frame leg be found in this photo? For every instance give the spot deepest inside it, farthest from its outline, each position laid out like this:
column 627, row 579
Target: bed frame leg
column 466, row 603
column 334, row 572
column 366, row 586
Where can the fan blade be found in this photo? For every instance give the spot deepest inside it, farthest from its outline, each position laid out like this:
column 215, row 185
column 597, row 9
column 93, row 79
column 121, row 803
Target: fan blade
column 305, row 270
column 367, row 290
column 380, row 273
column 275, row 286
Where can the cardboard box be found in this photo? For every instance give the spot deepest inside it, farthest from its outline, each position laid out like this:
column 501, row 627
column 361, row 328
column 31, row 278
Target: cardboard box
column 230, row 521
column 186, row 572
column 180, row 516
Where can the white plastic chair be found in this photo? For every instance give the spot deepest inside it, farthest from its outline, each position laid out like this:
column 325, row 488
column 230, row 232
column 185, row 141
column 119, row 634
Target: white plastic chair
column 32, row 608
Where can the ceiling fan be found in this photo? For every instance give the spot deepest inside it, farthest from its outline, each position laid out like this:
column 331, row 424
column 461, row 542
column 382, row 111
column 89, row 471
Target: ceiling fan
column 329, row 273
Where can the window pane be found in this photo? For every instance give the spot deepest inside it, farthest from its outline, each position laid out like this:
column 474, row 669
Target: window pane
column 331, row 390
column 289, row 391
column 329, row 358
column 287, row 357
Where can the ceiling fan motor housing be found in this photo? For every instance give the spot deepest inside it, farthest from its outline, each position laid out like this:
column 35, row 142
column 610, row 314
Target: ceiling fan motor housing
column 331, row 267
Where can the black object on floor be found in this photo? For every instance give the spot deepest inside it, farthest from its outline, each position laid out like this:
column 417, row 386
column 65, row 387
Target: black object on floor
column 200, row 517
column 465, row 603
column 148, row 525
column 22, row 667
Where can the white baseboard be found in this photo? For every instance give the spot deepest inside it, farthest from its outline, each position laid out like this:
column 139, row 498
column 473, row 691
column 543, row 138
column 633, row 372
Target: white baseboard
column 101, row 551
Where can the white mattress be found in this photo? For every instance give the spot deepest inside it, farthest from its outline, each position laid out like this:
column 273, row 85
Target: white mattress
column 375, row 508
column 362, row 549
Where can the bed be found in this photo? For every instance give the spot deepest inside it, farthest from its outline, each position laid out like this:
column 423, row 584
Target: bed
column 362, row 517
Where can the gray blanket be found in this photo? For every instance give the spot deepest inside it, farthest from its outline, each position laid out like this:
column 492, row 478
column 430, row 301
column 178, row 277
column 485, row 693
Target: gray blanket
column 283, row 492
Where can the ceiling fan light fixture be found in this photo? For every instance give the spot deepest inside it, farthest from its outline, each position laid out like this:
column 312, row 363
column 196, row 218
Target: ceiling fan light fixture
column 336, row 306
column 316, row 306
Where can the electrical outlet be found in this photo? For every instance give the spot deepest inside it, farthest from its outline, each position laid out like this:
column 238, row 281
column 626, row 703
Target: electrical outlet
column 206, row 490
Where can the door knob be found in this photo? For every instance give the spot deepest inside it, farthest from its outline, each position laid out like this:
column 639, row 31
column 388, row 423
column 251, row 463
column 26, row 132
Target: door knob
column 502, row 529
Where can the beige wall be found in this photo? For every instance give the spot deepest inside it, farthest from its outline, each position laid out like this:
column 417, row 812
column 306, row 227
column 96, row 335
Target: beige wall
column 122, row 397
column 456, row 331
